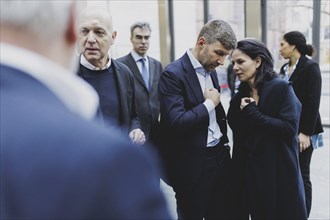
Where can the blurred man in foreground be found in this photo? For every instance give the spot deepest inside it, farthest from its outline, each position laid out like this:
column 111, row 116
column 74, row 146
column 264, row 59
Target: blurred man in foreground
column 56, row 163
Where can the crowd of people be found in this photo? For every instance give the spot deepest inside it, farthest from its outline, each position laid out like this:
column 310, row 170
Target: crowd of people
column 91, row 137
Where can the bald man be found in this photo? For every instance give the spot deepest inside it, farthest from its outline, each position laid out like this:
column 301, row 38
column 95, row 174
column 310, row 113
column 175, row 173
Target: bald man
column 113, row 81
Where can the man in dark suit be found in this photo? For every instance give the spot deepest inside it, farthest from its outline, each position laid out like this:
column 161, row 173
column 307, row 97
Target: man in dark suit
column 113, row 81
column 55, row 162
column 193, row 126
column 146, row 88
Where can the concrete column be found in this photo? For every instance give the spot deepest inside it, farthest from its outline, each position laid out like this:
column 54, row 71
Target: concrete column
column 164, row 32
column 253, row 19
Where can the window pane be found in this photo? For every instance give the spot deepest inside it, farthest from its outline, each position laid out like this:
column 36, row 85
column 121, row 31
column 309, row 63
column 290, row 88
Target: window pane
column 287, row 16
column 324, row 52
column 188, row 19
column 325, row 37
column 124, row 14
column 230, row 11
column 233, row 13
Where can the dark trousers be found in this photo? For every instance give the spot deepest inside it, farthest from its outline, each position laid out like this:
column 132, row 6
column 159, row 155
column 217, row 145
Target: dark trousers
column 208, row 198
column 305, row 161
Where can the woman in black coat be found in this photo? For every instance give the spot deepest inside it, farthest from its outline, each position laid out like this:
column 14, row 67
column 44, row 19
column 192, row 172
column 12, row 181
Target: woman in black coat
column 264, row 117
column 305, row 76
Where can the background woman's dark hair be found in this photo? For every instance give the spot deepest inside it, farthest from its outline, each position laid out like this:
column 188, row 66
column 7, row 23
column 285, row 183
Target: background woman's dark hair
column 255, row 48
column 297, row 39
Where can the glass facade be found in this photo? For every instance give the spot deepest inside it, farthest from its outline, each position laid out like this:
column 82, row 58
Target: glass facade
column 287, row 16
column 136, row 11
column 124, row 14
column 325, row 36
column 188, row 17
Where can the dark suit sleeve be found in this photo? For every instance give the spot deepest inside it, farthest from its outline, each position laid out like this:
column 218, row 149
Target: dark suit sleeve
column 135, row 121
column 179, row 115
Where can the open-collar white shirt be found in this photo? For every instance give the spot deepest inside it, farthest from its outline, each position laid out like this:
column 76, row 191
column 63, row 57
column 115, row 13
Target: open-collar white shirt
column 88, row 65
column 214, row 133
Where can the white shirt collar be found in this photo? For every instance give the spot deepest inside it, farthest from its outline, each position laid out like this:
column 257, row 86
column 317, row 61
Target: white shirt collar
column 90, row 66
column 195, row 63
column 137, row 57
column 74, row 92
column 199, row 69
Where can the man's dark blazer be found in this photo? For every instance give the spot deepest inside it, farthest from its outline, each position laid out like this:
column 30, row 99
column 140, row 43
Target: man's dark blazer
column 147, row 101
column 184, row 122
column 129, row 119
column 54, row 164
column 307, row 83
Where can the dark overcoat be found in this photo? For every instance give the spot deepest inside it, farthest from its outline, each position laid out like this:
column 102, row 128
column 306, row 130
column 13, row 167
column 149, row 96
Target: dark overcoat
column 267, row 180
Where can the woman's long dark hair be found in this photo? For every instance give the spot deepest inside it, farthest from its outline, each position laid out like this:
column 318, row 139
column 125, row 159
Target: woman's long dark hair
column 254, row 48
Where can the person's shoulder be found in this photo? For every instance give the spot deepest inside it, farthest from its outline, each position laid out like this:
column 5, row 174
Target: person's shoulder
column 279, row 81
column 309, row 68
column 118, row 64
column 306, row 62
column 311, row 64
column 278, row 84
column 154, row 60
column 123, row 59
column 175, row 65
column 175, row 70
column 156, row 63
column 122, row 68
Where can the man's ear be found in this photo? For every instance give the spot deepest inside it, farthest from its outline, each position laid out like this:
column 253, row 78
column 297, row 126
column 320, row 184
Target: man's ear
column 201, row 41
column 71, row 31
column 113, row 37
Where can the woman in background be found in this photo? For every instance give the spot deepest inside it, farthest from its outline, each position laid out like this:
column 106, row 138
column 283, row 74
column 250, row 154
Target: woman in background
column 264, row 116
column 305, row 76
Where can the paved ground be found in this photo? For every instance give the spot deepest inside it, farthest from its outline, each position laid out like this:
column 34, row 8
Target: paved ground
column 319, row 168
column 320, row 180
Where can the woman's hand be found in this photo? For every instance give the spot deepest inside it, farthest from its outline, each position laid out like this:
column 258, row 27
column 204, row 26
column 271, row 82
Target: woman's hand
column 245, row 101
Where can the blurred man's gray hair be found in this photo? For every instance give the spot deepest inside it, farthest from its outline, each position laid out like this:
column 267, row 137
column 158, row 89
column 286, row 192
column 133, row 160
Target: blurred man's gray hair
column 140, row 24
column 221, row 31
column 45, row 19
